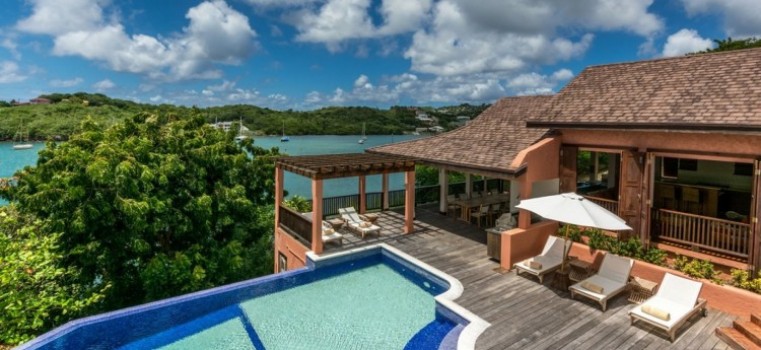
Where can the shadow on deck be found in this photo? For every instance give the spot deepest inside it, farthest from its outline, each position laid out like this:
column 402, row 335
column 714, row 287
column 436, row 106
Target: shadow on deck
column 523, row 313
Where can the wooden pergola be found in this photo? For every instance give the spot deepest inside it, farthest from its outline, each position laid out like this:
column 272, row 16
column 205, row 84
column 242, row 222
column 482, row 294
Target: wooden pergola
column 321, row 167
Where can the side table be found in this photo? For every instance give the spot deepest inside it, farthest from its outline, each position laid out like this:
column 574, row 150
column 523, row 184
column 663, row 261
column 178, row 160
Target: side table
column 580, row 270
column 369, row 217
column 640, row 289
column 337, row 223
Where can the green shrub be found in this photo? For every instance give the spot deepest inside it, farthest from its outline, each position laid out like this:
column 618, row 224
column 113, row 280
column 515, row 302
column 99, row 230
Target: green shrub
column 632, row 247
column 573, row 232
column 696, row 268
column 741, row 279
column 299, row 204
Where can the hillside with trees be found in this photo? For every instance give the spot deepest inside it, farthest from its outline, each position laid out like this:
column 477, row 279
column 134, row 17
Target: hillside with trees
column 59, row 119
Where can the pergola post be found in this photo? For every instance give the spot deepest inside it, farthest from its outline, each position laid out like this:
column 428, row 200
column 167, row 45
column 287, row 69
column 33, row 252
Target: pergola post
column 278, row 200
column 317, row 216
column 468, row 186
column 362, row 194
column 384, row 189
column 409, row 201
column 443, row 189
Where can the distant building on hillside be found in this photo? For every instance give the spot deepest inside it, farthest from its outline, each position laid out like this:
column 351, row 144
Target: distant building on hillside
column 39, row 101
column 462, row 120
column 225, row 126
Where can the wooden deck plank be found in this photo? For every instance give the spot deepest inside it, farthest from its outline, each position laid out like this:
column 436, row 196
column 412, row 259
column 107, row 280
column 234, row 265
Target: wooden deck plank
column 523, row 313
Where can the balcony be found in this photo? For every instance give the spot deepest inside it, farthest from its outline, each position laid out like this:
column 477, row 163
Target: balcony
column 702, row 233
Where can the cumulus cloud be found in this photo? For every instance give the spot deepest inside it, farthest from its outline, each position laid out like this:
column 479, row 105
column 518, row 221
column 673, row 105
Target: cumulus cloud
column 103, row 85
column 279, row 3
column 10, row 45
column 10, row 73
column 58, row 83
column 740, row 17
column 685, row 41
column 215, row 34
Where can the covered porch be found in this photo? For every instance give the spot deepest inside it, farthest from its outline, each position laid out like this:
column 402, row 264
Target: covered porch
column 296, row 233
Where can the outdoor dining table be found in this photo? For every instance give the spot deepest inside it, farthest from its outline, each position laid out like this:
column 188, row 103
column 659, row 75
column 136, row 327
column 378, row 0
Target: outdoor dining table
column 468, row 204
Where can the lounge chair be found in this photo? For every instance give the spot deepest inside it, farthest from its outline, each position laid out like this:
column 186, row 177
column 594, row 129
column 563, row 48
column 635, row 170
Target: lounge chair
column 610, row 281
column 356, row 224
column 330, row 235
column 675, row 302
column 549, row 260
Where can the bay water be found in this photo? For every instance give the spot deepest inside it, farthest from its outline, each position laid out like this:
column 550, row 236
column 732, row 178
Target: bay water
column 14, row 160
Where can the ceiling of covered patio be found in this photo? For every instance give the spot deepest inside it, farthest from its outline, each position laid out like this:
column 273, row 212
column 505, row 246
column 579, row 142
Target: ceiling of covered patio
column 331, row 166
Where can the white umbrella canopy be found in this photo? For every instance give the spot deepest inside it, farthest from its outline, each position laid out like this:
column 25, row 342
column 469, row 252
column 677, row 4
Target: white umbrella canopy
column 570, row 208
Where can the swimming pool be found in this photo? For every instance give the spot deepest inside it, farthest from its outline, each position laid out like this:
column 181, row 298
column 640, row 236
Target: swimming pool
column 373, row 298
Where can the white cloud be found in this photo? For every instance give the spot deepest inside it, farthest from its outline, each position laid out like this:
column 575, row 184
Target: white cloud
column 10, row 45
column 562, row 74
column 105, row 84
column 54, row 17
column 215, row 34
column 402, row 16
column 207, row 92
column 279, row 3
column 156, row 98
column 741, row 17
column 685, row 41
column 10, row 73
column 58, row 83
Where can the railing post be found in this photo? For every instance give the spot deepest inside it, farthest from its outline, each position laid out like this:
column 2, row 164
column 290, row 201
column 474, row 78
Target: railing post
column 317, row 216
column 409, row 201
column 384, row 205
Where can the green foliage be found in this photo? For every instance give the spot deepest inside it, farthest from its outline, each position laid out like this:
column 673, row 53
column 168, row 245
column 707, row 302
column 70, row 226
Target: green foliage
column 299, row 204
column 632, row 247
column 154, row 206
column 741, row 279
column 695, row 268
column 61, row 118
column 729, row 44
column 573, row 232
column 36, row 291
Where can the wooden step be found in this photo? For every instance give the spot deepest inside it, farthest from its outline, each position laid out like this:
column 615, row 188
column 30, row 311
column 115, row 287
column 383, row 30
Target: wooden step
column 735, row 339
column 755, row 318
column 751, row 330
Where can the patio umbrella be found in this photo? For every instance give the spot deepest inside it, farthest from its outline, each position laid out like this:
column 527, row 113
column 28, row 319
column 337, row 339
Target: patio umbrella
column 570, row 208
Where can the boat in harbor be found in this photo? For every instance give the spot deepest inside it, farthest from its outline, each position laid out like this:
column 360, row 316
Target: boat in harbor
column 21, row 140
column 285, row 137
column 364, row 137
column 240, row 136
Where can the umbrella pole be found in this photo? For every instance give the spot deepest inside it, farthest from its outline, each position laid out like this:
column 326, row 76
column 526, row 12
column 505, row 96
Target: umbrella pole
column 563, row 267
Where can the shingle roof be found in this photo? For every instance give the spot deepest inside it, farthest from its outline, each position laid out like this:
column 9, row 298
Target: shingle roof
column 705, row 91
column 490, row 142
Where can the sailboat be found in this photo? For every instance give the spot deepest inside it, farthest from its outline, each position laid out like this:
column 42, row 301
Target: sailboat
column 284, row 138
column 23, row 140
column 240, row 136
column 363, row 138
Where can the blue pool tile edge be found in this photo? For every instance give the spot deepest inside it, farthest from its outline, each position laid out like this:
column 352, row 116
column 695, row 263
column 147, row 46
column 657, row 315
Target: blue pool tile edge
column 445, row 304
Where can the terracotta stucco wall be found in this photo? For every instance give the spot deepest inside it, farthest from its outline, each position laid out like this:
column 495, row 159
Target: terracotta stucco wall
column 293, row 250
column 520, row 244
column 542, row 162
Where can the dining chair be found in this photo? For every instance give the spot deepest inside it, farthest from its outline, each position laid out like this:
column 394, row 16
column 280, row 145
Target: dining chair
column 482, row 213
column 455, row 209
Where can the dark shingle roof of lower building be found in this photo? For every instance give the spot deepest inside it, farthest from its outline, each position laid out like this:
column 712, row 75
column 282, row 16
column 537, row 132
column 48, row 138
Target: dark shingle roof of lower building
column 699, row 92
column 490, row 142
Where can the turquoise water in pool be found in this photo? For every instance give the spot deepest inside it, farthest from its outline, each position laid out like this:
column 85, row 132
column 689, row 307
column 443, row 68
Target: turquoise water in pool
column 373, row 307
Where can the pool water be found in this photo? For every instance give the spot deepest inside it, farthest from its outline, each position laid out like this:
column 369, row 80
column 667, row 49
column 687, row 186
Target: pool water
column 368, row 300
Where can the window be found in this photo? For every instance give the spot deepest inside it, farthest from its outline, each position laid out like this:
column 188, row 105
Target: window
column 282, row 262
column 743, row 169
column 688, row 164
column 669, row 167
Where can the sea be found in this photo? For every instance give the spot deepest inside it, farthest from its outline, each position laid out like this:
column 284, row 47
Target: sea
column 12, row 161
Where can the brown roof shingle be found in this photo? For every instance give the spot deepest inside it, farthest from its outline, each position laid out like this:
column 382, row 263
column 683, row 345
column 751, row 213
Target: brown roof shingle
column 706, row 91
column 490, row 142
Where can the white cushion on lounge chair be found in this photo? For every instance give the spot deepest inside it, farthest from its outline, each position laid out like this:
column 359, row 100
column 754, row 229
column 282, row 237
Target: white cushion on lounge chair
column 676, row 295
column 334, row 236
column 355, row 222
column 551, row 258
column 612, row 277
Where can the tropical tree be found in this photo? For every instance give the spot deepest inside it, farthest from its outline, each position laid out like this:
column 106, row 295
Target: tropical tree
column 730, row 44
column 155, row 206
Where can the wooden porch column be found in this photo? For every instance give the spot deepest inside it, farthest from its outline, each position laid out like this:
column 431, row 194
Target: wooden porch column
column 754, row 259
column 384, row 189
column 443, row 189
column 468, row 186
column 362, row 194
column 278, row 200
column 317, row 216
column 409, row 201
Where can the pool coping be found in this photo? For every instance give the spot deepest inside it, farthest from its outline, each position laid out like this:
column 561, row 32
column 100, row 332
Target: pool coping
column 476, row 325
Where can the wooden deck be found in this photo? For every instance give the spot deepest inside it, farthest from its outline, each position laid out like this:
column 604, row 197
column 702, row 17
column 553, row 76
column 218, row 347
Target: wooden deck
column 523, row 313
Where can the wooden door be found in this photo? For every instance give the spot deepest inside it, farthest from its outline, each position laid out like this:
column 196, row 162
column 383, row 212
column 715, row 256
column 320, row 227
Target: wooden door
column 630, row 201
column 648, row 179
column 754, row 258
column 567, row 174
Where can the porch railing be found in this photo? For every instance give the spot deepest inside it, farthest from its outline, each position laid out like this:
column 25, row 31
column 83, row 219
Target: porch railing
column 718, row 235
column 296, row 224
column 608, row 204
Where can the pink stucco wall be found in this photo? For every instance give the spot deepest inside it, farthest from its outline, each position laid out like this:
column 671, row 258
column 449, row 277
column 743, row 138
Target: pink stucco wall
column 519, row 244
column 543, row 162
column 294, row 251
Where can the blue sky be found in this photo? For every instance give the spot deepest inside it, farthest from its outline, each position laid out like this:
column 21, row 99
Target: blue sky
column 306, row 54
